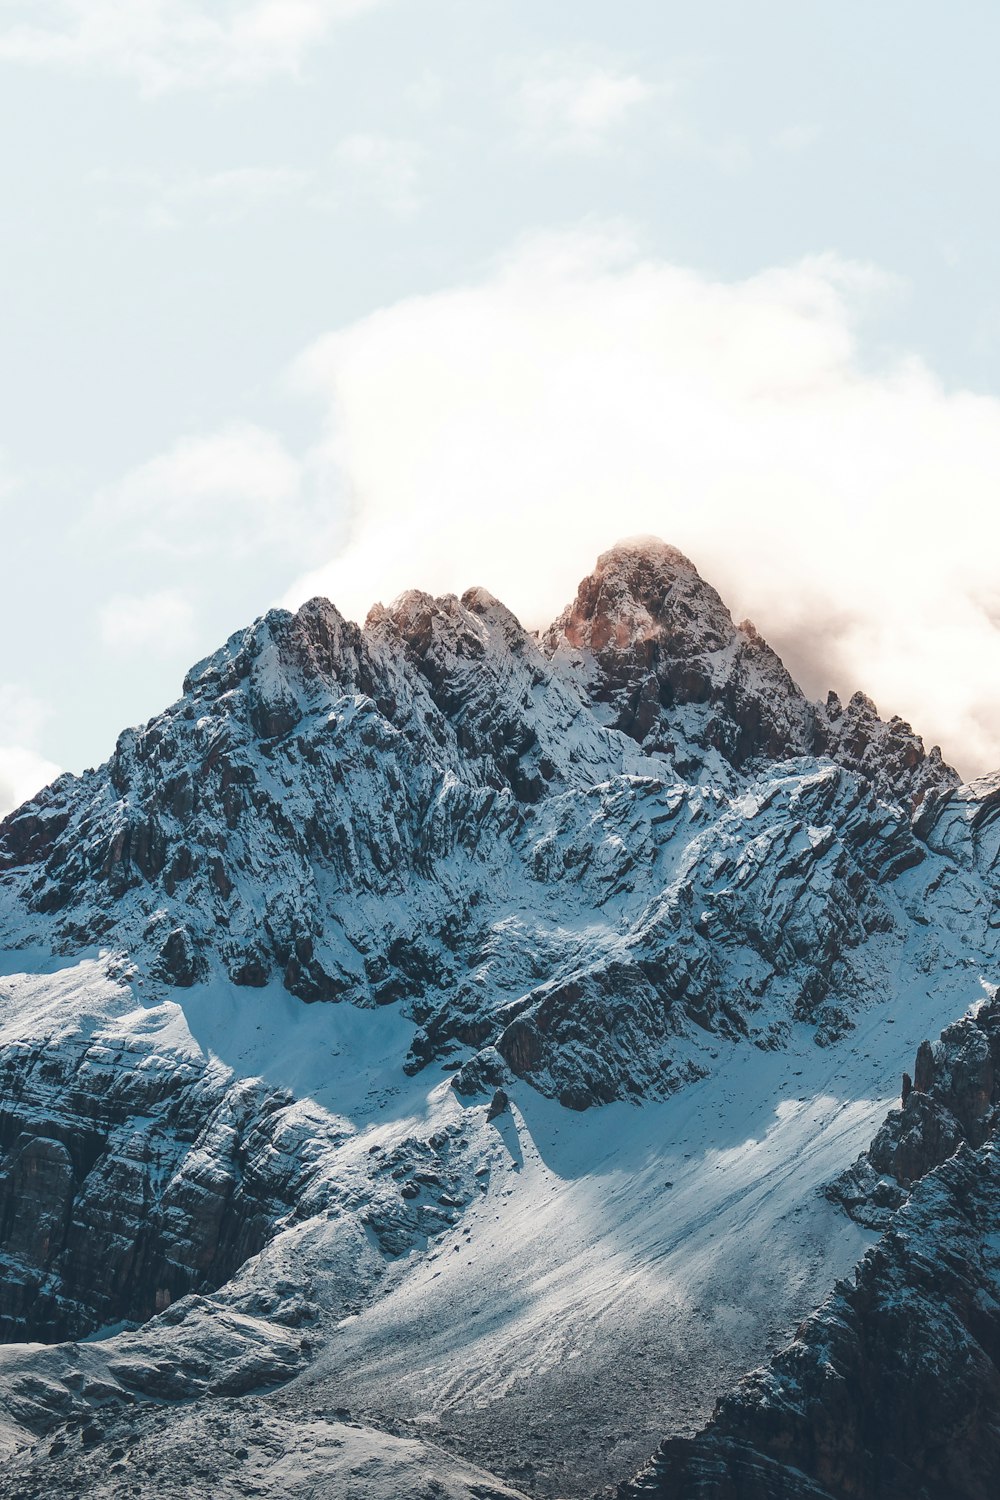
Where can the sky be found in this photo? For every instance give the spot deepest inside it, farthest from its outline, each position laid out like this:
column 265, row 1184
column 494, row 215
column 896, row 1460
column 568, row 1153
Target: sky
column 349, row 296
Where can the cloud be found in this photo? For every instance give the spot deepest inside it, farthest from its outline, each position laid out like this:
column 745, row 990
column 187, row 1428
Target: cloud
column 22, row 774
column 566, row 105
column 159, row 624
column 383, row 168
column 23, row 770
column 165, row 45
column 223, row 197
column 505, row 432
column 426, row 91
column 236, row 491
column 22, row 715
column 796, row 138
column 9, row 480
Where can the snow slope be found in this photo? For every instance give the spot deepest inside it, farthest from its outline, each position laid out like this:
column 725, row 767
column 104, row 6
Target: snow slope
column 577, row 1307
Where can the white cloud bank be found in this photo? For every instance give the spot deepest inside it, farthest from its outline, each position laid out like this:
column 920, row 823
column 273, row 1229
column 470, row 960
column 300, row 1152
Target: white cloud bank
column 505, row 433
column 23, row 771
column 172, row 44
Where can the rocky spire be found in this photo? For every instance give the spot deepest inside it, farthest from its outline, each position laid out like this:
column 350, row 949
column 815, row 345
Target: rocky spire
column 661, row 652
column 638, row 588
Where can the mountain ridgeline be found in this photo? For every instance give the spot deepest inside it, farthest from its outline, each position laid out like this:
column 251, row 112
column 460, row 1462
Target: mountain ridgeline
column 295, row 985
column 371, row 815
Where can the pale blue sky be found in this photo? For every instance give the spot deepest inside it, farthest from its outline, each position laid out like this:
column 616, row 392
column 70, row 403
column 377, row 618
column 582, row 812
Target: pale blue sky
column 195, row 194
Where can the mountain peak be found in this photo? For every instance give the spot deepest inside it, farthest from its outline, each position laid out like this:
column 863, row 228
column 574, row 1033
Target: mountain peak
column 644, row 546
column 625, row 599
column 661, row 653
column 631, row 553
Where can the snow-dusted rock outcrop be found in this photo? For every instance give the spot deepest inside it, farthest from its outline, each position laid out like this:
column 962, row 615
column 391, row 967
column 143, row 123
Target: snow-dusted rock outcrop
column 952, row 1099
column 231, row 1448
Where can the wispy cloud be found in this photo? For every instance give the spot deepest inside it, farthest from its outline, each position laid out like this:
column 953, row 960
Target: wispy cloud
column 159, row 623
column 22, row 715
column 237, row 490
column 796, row 138
column 384, row 168
column 224, row 197
column 567, row 105
column 165, row 45
column 564, row 105
column 220, row 197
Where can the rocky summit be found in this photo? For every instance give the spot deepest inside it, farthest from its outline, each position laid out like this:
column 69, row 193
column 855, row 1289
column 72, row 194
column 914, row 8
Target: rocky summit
column 439, row 1059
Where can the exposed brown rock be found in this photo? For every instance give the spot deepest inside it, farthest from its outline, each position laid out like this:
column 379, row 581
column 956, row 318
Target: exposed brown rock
column 654, row 638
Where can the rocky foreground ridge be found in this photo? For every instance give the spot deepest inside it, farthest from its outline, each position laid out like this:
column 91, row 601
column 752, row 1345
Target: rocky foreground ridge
column 589, row 867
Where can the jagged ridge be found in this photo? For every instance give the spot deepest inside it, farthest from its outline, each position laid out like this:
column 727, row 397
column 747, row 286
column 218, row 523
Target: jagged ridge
column 413, row 811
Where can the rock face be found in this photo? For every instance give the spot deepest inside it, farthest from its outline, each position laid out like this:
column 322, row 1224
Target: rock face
column 889, row 755
column 136, row 1170
column 953, row 1099
column 663, row 661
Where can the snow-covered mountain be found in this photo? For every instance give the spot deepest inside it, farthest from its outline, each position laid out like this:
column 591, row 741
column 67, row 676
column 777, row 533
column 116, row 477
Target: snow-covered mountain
column 449, row 1031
